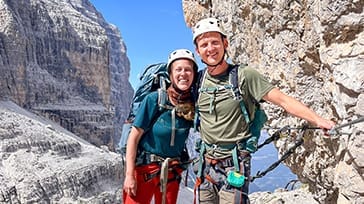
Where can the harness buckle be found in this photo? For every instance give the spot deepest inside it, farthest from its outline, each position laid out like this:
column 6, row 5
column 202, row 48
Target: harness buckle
column 154, row 158
column 238, row 97
column 214, row 146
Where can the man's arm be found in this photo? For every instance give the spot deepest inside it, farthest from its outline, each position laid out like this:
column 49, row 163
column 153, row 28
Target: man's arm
column 297, row 108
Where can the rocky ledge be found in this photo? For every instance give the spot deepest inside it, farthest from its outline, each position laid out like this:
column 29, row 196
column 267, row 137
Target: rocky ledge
column 42, row 162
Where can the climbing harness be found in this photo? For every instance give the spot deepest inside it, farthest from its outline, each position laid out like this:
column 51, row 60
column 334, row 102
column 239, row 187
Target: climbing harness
column 235, row 177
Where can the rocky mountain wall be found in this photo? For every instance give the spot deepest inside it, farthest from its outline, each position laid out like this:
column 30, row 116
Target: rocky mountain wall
column 41, row 162
column 61, row 59
column 312, row 50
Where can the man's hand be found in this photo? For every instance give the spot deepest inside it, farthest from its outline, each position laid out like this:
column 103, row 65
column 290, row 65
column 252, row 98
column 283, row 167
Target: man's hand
column 325, row 125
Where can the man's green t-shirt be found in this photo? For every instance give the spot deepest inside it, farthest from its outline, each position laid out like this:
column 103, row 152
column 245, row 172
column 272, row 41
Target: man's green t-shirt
column 221, row 119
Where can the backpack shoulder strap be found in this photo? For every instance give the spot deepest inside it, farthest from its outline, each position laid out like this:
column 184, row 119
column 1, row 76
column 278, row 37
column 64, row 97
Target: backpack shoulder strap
column 196, row 95
column 163, row 106
column 234, row 81
column 199, row 82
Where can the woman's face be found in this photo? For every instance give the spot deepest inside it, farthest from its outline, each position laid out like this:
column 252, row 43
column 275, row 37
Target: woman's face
column 182, row 74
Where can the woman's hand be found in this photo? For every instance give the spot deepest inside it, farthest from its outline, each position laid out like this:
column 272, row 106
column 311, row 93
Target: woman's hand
column 130, row 185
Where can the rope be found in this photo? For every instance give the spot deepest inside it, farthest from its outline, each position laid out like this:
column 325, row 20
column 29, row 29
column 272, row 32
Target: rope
column 276, row 135
column 331, row 132
column 284, row 156
column 334, row 130
column 292, row 183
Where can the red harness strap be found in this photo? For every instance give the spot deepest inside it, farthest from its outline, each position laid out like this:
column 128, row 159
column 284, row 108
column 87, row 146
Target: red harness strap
column 198, row 183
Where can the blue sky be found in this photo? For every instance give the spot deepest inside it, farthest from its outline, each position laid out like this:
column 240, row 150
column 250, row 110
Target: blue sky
column 150, row 30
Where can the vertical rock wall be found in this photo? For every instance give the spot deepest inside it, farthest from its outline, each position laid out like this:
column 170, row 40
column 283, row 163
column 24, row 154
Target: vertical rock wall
column 61, row 59
column 312, row 50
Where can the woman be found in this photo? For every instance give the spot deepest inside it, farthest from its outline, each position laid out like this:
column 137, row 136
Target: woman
column 157, row 137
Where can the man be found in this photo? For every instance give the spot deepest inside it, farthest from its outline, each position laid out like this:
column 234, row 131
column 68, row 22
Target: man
column 222, row 125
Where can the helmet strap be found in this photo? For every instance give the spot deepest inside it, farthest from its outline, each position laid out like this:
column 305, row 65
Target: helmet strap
column 215, row 65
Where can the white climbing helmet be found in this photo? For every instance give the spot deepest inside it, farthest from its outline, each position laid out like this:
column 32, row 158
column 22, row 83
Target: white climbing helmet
column 181, row 54
column 207, row 25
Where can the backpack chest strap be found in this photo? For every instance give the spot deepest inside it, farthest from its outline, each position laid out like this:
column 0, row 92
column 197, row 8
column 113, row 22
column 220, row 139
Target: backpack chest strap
column 211, row 92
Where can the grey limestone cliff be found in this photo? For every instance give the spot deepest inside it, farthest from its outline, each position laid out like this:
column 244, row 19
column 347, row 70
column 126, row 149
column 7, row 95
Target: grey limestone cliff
column 312, row 50
column 62, row 66
column 41, row 162
column 61, row 59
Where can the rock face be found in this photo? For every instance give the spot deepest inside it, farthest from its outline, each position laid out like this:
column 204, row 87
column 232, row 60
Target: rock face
column 62, row 60
column 43, row 163
column 312, row 50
